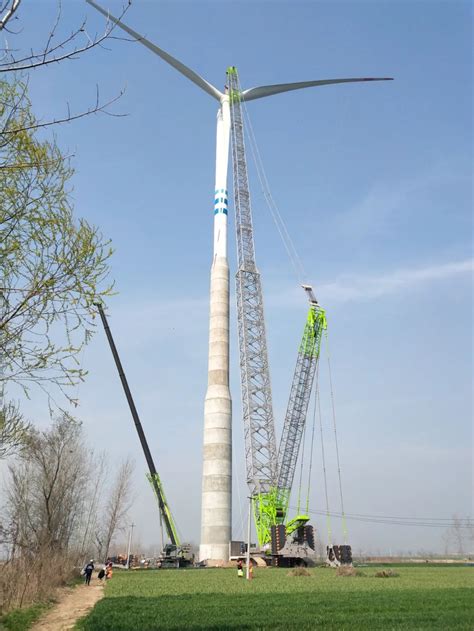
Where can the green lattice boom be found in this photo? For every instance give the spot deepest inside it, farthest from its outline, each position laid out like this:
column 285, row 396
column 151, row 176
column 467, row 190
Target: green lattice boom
column 272, row 508
column 157, row 486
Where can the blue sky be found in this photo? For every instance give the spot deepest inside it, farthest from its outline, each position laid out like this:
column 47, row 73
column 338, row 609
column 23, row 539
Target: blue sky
column 374, row 183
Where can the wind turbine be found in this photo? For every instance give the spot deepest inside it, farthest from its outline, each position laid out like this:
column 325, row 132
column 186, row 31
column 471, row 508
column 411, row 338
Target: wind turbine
column 217, row 454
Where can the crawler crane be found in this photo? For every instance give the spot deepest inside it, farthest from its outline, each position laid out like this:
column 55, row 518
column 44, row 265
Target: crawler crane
column 270, row 474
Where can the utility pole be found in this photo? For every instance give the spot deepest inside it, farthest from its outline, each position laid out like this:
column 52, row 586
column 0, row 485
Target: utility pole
column 247, row 562
column 132, row 526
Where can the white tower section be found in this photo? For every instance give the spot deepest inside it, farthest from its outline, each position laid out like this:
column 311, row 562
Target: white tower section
column 216, row 521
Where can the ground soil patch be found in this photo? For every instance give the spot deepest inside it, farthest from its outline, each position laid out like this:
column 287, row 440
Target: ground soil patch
column 73, row 603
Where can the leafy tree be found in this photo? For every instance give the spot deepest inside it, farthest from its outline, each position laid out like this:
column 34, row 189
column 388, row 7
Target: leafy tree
column 14, row 431
column 53, row 267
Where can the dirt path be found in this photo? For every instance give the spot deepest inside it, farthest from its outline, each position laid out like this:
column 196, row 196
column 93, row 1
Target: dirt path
column 73, row 604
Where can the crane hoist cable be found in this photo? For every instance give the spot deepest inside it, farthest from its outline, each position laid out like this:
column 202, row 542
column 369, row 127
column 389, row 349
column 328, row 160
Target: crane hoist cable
column 280, row 225
column 303, row 441
column 313, row 429
column 333, row 408
column 317, row 404
column 162, row 532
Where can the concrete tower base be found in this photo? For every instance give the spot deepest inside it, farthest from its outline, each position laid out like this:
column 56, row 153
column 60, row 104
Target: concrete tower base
column 217, row 457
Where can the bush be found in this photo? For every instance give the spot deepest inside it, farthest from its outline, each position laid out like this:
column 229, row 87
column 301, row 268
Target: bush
column 25, row 581
column 386, row 574
column 345, row 570
column 299, row 571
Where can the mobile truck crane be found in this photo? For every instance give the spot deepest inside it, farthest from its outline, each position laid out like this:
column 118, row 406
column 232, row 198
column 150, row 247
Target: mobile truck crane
column 174, row 554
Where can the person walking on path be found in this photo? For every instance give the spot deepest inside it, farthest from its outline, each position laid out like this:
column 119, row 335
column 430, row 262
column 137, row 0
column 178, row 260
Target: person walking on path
column 108, row 570
column 88, row 572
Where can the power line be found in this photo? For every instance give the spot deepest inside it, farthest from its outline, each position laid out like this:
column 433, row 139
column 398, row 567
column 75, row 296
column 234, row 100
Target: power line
column 438, row 519
column 430, row 522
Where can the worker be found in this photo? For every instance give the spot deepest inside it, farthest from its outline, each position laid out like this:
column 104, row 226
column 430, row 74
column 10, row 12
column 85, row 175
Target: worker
column 240, row 571
column 108, row 570
column 88, row 572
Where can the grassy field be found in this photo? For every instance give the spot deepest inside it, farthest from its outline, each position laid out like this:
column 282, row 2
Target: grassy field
column 419, row 598
column 22, row 619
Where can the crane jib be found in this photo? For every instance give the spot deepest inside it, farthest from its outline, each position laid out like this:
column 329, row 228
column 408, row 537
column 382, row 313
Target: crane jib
column 271, row 508
column 295, row 418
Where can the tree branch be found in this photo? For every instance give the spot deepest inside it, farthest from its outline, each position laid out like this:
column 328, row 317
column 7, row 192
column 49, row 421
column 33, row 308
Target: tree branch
column 8, row 14
column 50, row 54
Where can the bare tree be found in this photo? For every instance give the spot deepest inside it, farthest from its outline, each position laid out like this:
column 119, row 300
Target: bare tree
column 44, row 496
column 56, row 48
column 116, row 508
column 46, row 488
column 446, row 540
column 457, row 536
column 97, row 467
column 320, row 549
column 54, row 508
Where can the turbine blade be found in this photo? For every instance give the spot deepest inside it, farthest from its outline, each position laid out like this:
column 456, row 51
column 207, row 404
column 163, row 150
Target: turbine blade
column 270, row 90
column 187, row 72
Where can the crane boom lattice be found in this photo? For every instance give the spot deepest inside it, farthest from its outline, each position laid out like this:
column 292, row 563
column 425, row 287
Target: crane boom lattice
column 259, row 430
column 295, row 419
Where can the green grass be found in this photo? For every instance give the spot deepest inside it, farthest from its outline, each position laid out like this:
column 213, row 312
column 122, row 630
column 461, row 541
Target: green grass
column 419, row 598
column 22, row 619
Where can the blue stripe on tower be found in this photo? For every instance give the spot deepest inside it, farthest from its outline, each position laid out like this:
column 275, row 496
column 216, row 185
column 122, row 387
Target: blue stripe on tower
column 220, row 201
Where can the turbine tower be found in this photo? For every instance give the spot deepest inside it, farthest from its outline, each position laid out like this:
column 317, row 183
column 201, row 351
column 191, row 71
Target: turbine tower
column 216, row 507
